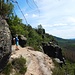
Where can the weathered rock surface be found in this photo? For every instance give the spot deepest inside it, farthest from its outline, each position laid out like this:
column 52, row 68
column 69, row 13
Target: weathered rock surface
column 5, row 41
column 53, row 50
column 37, row 62
column 22, row 41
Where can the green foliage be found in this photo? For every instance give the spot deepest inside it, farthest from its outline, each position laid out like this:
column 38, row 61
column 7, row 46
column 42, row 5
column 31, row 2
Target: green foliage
column 68, row 69
column 17, row 73
column 7, row 70
column 68, row 44
column 58, row 71
column 19, row 64
column 34, row 39
column 5, row 9
column 16, row 26
column 18, row 29
column 40, row 30
column 70, row 55
column 68, row 48
column 34, row 36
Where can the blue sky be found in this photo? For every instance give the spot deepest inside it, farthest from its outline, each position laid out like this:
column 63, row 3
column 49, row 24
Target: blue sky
column 57, row 17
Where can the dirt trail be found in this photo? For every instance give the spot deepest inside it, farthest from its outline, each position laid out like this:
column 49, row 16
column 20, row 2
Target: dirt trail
column 37, row 62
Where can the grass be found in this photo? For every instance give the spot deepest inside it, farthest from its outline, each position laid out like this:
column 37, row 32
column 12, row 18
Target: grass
column 18, row 64
column 68, row 69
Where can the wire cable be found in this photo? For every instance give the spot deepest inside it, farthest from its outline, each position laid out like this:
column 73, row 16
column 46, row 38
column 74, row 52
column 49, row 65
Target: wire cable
column 20, row 10
column 34, row 4
column 14, row 1
column 22, row 14
column 28, row 4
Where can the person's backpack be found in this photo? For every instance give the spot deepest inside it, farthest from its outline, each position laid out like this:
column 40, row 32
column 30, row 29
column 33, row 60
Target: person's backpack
column 16, row 39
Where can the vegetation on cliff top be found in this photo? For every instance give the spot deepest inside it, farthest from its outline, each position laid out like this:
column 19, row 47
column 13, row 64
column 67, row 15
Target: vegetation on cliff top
column 17, row 66
column 35, row 36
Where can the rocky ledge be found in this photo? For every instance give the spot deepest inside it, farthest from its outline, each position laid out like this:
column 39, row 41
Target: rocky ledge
column 37, row 62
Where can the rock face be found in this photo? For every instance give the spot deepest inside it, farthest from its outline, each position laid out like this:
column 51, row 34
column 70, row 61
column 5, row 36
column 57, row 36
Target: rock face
column 22, row 41
column 5, row 41
column 53, row 50
column 37, row 62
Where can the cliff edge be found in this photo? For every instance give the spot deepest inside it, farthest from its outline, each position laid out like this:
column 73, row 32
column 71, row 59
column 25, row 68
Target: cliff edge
column 37, row 63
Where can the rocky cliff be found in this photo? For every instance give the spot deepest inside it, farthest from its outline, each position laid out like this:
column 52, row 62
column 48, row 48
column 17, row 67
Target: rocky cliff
column 54, row 51
column 37, row 62
column 5, row 42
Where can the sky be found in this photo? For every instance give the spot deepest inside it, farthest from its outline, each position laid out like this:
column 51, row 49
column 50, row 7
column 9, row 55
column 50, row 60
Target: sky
column 57, row 17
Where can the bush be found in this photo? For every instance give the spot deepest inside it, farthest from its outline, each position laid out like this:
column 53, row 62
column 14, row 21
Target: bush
column 19, row 65
column 7, row 70
column 58, row 71
column 68, row 69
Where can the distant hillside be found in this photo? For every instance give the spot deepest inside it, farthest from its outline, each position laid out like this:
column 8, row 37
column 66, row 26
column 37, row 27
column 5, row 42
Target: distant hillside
column 68, row 44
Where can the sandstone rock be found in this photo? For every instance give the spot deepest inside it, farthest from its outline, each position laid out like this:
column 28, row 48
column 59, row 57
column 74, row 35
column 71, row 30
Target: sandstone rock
column 5, row 40
column 22, row 41
column 52, row 50
column 37, row 62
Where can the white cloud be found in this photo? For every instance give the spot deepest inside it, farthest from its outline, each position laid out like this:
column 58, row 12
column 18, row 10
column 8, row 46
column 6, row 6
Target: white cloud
column 54, row 25
column 67, row 32
column 71, row 19
column 60, row 24
column 26, row 14
column 56, row 16
column 34, row 15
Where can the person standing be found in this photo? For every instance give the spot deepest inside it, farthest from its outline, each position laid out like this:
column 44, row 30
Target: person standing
column 17, row 42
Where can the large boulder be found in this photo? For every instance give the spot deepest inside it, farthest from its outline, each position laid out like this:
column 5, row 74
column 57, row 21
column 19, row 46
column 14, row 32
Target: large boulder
column 22, row 41
column 53, row 50
column 5, row 42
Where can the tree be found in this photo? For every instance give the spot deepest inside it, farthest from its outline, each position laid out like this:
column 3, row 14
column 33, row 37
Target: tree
column 40, row 29
column 16, row 26
column 40, row 26
column 6, row 8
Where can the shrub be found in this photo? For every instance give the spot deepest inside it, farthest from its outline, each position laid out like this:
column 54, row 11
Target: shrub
column 19, row 65
column 7, row 70
column 68, row 69
column 58, row 71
